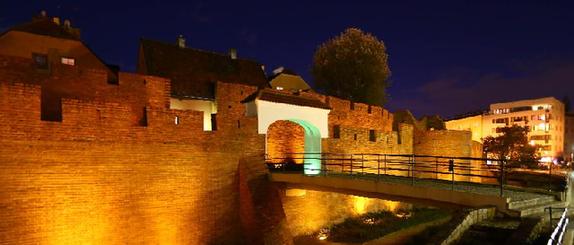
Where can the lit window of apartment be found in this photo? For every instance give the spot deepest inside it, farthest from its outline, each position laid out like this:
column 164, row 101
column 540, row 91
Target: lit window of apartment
column 68, row 61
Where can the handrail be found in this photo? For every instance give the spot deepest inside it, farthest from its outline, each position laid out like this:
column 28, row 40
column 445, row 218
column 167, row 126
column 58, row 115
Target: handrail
column 467, row 169
column 560, row 228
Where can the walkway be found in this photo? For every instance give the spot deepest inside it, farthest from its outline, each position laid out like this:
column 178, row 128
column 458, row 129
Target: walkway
column 514, row 201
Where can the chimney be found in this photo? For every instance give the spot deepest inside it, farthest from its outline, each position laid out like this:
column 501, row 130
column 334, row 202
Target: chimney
column 233, row 53
column 56, row 20
column 181, row 41
column 67, row 23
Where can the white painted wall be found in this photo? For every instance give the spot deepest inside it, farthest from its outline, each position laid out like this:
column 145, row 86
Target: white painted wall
column 270, row 112
column 207, row 106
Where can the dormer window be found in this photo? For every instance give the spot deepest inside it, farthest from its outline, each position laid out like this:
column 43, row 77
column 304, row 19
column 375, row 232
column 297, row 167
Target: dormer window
column 68, row 61
column 40, row 60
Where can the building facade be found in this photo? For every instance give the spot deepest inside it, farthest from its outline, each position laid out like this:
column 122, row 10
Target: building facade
column 569, row 137
column 545, row 118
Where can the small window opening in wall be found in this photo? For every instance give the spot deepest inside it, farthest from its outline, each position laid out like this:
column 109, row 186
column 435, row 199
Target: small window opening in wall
column 355, row 136
column 228, row 107
column 238, row 124
column 279, row 88
column 143, row 119
column 214, row 122
column 113, row 75
column 370, row 109
column 336, row 132
column 176, row 121
column 372, row 136
column 68, row 61
column 40, row 60
column 352, row 105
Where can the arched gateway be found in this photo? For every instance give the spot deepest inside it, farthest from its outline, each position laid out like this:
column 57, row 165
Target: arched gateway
column 274, row 108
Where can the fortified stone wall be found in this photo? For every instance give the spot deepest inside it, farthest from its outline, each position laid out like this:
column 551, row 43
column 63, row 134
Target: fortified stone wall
column 446, row 143
column 96, row 177
column 121, row 167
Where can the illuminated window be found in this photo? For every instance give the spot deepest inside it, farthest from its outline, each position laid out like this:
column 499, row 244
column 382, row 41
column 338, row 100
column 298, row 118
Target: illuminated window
column 176, row 121
column 41, row 61
column 68, row 61
column 279, row 88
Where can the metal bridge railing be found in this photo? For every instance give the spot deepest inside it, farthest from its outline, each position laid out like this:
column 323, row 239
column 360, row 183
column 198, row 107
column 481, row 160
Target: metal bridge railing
column 557, row 235
column 453, row 169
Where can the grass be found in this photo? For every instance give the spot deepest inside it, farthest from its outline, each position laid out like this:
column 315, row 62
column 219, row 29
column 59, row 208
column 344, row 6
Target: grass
column 374, row 225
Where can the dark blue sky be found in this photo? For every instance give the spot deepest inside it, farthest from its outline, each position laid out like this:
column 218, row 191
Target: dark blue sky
column 446, row 57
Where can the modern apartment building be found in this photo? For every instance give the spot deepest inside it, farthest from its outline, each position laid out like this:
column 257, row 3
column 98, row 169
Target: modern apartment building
column 544, row 116
column 569, row 137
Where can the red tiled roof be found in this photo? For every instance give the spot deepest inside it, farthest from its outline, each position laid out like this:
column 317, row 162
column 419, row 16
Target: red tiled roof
column 285, row 98
column 193, row 72
column 45, row 26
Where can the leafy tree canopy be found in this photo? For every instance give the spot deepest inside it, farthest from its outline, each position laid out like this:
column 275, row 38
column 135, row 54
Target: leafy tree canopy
column 512, row 146
column 353, row 66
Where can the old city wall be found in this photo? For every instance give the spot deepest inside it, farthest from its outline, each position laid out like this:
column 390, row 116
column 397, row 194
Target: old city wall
column 96, row 177
column 446, row 143
column 355, row 123
column 61, row 82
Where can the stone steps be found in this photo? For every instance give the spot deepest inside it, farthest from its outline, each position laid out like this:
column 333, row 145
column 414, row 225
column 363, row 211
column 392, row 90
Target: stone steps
column 536, row 209
column 531, row 202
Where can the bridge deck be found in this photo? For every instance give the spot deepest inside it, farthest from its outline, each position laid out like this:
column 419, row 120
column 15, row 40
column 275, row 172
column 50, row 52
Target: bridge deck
column 461, row 193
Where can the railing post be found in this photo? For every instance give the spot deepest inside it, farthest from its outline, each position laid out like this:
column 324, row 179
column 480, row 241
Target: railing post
column 451, row 163
column 351, row 163
column 501, row 178
column 343, row 164
column 412, row 165
column 385, row 162
column 362, row 164
column 436, row 167
column 324, row 164
column 550, row 220
column 378, row 166
column 550, row 175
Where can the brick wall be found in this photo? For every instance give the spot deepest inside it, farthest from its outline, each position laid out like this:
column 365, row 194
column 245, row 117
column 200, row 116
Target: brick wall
column 448, row 143
column 285, row 137
column 98, row 177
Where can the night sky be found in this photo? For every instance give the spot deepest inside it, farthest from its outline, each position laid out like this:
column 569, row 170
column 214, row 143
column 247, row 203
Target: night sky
column 446, row 58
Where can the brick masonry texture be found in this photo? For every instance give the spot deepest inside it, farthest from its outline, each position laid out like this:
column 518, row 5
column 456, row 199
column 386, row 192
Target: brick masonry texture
column 285, row 137
column 117, row 169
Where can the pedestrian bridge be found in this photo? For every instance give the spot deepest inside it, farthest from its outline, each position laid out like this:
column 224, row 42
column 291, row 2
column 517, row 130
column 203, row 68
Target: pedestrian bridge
column 468, row 182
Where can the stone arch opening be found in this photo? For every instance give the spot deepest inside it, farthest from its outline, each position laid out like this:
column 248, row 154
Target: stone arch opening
column 296, row 142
